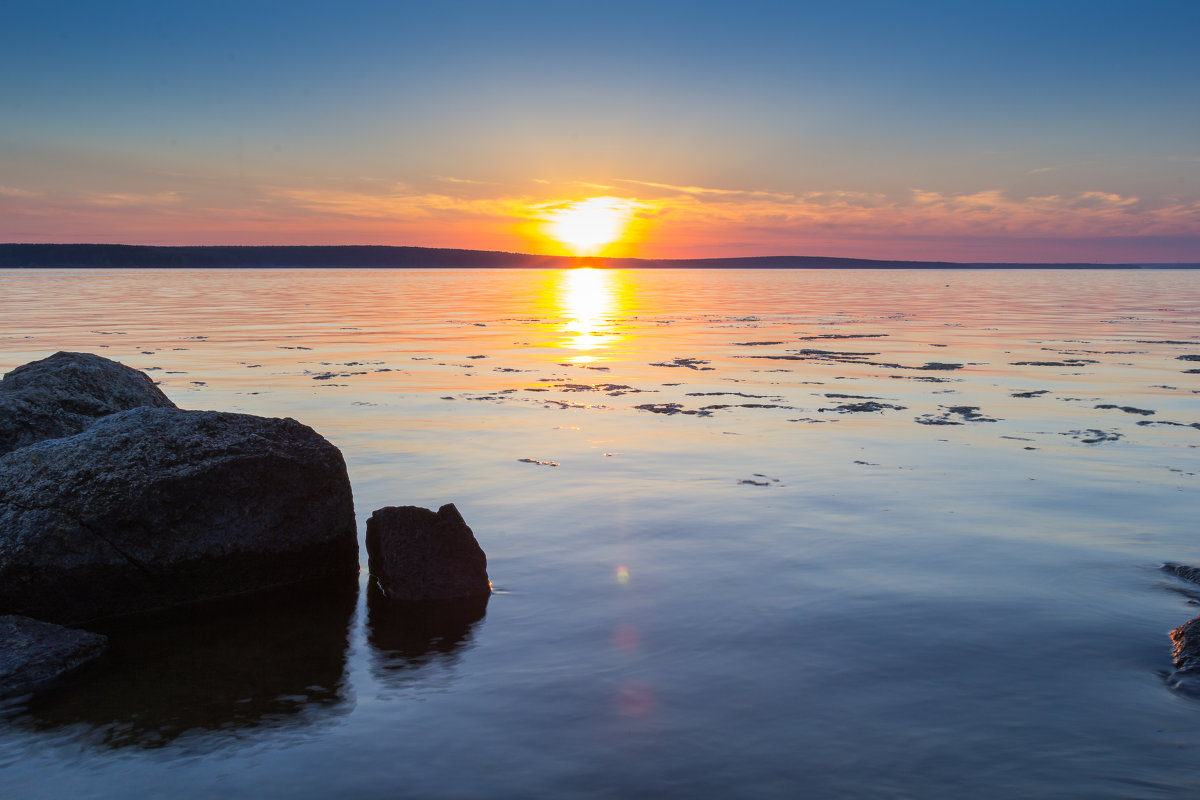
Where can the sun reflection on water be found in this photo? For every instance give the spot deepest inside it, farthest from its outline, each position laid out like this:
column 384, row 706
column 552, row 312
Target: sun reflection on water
column 588, row 301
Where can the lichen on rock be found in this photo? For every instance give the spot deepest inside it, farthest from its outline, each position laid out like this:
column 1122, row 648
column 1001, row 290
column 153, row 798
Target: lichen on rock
column 66, row 393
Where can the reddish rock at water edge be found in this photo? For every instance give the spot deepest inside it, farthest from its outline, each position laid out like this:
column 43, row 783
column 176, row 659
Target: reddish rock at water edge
column 1185, row 640
column 158, row 507
column 34, row 655
column 65, row 393
column 1186, row 646
column 416, row 554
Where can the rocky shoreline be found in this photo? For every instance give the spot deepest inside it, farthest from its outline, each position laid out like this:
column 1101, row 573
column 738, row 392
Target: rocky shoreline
column 115, row 503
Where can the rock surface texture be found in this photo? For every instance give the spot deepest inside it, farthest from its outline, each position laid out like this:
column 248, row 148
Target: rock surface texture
column 1185, row 640
column 416, row 554
column 34, row 654
column 158, row 507
column 64, row 394
column 1186, row 650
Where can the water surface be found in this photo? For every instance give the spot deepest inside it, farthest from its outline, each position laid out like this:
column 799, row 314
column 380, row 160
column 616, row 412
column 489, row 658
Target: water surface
column 754, row 534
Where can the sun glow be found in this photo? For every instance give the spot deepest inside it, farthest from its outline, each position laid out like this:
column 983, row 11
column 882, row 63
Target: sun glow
column 587, row 227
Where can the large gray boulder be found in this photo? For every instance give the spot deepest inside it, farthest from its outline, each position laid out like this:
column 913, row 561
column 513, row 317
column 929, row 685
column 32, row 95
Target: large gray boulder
column 158, row 507
column 65, row 393
column 416, row 554
column 34, row 654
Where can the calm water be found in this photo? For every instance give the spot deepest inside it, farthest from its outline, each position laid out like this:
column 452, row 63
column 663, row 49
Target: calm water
column 715, row 577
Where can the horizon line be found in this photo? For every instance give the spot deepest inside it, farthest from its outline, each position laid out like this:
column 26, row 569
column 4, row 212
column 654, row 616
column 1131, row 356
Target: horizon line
column 8, row 250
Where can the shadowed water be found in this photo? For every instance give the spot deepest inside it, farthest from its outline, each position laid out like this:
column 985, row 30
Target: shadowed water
column 753, row 534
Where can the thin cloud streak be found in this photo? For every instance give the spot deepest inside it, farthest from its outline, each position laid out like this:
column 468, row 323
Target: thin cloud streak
column 703, row 190
column 12, row 191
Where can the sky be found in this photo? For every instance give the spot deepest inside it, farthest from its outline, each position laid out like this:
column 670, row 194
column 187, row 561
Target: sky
column 964, row 131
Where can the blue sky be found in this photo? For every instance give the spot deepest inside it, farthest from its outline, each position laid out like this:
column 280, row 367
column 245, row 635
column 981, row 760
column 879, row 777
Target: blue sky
column 1028, row 131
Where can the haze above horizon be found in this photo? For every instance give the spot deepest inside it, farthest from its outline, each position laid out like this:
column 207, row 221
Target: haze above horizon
column 930, row 131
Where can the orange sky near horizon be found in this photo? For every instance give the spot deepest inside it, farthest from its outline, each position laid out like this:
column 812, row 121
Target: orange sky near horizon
column 925, row 131
column 658, row 221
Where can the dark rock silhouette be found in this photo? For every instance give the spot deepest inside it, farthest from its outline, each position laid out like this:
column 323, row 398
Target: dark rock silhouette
column 157, row 507
column 274, row 661
column 35, row 655
column 65, row 393
column 416, row 554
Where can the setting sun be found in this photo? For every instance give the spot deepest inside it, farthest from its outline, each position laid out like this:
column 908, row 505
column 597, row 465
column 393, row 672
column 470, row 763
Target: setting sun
column 587, row 226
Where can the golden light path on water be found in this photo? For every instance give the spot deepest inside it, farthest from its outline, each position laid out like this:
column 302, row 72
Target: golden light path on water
column 588, row 300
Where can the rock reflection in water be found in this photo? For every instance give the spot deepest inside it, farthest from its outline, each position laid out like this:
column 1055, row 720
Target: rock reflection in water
column 407, row 637
column 270, row 663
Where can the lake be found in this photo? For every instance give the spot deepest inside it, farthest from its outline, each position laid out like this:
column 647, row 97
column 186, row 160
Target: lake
column 753, row 534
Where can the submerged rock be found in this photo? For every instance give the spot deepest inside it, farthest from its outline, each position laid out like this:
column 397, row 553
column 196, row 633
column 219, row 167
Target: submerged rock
column 950, row 413
column 1145, row 412
column 1182, row 571
column 868, row 406
column 35, row 654
column 416, row 554
column 157, row 507
column 65, row 393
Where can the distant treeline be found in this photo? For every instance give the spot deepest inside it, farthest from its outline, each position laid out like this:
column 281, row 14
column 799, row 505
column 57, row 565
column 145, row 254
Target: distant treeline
column 127, row 256
column 350, row 256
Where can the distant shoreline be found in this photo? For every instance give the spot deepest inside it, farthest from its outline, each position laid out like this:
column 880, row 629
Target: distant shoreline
column 125, row 256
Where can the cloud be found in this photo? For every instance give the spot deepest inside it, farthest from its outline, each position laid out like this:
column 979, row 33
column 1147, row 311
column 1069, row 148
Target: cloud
column 930, row 213
column 472, row 181
column 11, row 191
column 126, row 199
column 669, row 219
column 393, row 205
column 600, row 187
column 695, row 214
column 701, row 191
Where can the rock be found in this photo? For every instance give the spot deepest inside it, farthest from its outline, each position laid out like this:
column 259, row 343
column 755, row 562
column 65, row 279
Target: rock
column 1186, row 641
column 34, row 654
column 157, row 507
column 869, row 406
column 415, row 554
column 64, row 394
column 1182, row 571
column 1185, row 638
